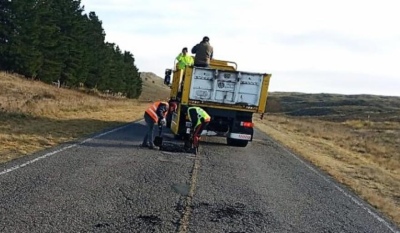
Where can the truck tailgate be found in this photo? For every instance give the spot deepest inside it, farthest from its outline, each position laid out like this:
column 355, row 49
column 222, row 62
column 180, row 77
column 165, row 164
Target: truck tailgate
column 226, row 87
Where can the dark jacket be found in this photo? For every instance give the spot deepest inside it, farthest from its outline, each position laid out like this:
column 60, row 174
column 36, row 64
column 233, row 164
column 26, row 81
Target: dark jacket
column 204, row 53
column 160, row 111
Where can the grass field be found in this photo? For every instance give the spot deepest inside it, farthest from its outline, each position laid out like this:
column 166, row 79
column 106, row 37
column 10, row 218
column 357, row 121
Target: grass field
column 356, row 139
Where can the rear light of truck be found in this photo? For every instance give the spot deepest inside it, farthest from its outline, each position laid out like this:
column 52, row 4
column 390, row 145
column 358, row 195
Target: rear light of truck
column 247, row 124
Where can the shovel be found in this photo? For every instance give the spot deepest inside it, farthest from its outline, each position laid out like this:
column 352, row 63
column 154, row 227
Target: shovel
column 158, row 140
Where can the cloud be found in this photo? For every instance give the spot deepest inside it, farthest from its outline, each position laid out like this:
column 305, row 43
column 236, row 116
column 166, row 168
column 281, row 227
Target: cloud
column 341, row 40
column 328, row 39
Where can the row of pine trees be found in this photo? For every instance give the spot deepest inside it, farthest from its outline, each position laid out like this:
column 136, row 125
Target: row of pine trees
column 55, row 40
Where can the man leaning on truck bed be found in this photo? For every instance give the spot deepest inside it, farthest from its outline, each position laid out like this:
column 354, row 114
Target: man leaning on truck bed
column 204, row 53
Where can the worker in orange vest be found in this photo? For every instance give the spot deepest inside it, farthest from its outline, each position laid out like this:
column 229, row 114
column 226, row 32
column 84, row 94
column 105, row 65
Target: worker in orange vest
column 156, row 113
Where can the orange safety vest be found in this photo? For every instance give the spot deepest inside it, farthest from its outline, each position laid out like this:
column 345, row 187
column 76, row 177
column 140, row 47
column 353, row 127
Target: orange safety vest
column 153, row 109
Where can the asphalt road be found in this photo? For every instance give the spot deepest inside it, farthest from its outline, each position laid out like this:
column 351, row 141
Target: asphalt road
column 109, row 184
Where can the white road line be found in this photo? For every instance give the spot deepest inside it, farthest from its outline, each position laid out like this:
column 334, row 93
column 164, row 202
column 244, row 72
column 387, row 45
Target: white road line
column 344, row 192
column 59, row 150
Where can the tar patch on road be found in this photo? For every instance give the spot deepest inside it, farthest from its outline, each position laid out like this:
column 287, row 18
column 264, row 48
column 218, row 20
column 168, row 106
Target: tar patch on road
column 141, row 223
column 174, row 147
column 101, row 225
column 150, row 219
column 236, row 217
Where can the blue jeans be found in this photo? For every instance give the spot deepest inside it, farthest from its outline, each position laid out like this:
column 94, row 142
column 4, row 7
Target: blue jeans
column 149, row 134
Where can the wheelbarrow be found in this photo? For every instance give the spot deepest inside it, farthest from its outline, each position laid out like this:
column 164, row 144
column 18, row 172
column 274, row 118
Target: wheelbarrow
column 158, row 140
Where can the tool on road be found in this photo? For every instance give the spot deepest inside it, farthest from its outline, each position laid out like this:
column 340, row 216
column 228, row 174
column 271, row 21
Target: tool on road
column 158, row 140
column 191, row 142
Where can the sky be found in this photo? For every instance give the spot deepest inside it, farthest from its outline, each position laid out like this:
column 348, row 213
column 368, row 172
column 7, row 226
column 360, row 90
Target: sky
column 311, row 46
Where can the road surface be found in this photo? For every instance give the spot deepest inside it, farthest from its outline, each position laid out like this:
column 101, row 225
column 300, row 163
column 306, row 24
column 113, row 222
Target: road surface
column 109, row 184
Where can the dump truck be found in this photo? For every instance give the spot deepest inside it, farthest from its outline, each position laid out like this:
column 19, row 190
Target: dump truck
column 228, row 95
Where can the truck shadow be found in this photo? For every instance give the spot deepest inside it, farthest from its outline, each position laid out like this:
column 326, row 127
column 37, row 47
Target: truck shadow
column 212, row 143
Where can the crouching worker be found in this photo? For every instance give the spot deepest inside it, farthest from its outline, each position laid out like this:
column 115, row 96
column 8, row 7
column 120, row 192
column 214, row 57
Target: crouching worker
column 199, row 119
column 156, row 113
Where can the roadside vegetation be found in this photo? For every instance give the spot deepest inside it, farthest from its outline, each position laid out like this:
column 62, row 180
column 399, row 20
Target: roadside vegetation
column 355, row 139
column 35, row 115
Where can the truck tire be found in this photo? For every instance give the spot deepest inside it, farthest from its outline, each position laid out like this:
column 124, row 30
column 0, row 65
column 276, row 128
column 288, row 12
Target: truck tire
column 236, row 142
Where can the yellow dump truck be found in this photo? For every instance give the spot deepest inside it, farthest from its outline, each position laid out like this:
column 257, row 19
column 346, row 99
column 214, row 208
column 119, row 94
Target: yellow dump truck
column 228, row 95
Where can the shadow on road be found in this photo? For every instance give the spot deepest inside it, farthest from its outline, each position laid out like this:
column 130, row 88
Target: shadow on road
column 212, row 143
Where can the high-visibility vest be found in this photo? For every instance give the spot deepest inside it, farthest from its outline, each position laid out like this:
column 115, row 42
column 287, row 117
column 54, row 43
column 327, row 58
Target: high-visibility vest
column 200, row 114
column 184, row 61
column 152, row 110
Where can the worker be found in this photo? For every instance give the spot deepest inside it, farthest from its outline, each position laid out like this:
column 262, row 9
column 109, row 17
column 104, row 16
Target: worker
column 199, row 119
column 204, row 53
column 156, row 113
column 184, row 59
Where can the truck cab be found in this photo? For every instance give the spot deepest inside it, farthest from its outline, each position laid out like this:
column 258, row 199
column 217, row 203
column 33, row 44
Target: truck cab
column 228, row 95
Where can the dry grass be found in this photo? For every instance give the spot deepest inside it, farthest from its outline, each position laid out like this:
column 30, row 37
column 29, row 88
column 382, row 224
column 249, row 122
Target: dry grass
column 35, row 115
column 361, row 154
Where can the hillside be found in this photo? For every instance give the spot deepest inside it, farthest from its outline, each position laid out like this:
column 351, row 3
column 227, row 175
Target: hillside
column 153, row 87
column 336, row 107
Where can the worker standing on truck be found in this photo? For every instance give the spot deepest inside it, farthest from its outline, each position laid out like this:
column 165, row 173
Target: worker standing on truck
column 184, row 59
column 156, row 113
column 199, row 119
column 204, row 53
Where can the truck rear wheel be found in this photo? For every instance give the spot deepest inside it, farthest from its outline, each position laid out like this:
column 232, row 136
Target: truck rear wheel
column 236, row 142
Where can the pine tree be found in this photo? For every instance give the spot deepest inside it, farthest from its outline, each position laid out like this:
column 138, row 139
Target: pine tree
column 6, row 26
column 53, row 40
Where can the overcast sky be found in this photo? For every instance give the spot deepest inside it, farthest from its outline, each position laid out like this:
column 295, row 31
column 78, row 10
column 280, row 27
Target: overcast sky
column 348, row 47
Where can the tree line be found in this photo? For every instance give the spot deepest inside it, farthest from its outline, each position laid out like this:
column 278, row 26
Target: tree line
column 54, row 40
